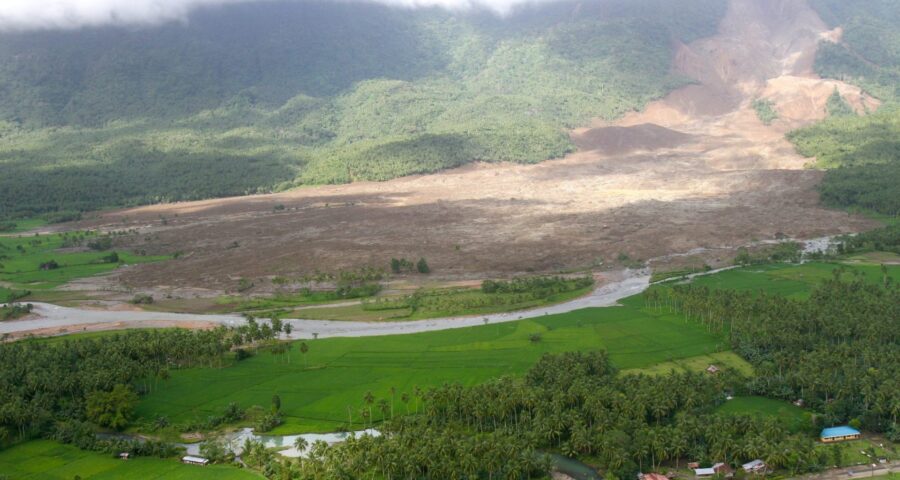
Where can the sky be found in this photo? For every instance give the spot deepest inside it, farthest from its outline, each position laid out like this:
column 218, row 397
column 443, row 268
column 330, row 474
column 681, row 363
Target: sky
column 20, row 15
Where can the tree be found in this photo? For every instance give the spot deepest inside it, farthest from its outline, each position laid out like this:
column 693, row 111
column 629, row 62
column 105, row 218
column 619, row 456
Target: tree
column 300, row 444
column 216, row 451
column 422, row 266
column 837, row 455
column 276, row 403
column 304, row 348
column 113, row 409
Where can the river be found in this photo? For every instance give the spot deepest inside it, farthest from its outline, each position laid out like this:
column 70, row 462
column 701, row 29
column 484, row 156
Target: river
column 623, row 284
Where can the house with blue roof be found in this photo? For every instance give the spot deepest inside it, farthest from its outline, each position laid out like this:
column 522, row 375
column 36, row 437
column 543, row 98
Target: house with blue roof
column 839, row 434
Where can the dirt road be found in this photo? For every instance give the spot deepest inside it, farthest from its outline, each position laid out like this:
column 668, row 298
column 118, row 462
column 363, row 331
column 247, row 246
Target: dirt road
column 860, row 471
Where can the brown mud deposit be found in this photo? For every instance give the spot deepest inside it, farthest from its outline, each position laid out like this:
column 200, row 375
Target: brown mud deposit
column 696, row 169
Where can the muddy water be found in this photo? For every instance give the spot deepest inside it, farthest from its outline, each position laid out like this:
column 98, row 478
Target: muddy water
column 285, row 443
column 234, row 441
column 623, row 284
column 47, row 316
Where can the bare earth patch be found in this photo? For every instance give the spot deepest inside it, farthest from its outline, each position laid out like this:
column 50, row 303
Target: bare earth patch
column 696, row 169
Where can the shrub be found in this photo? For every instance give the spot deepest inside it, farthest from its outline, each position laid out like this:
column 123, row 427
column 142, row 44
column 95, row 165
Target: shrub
column 142, row 299
column 100, row 244
column 422, row 266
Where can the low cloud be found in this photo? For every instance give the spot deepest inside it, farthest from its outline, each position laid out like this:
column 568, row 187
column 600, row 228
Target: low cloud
column 19, row 15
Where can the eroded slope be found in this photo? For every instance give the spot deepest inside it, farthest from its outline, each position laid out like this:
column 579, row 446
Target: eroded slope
column 696, row 169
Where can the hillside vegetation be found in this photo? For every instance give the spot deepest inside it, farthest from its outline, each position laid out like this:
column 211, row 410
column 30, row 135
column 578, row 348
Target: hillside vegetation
column 247, row 99
column 862, row 151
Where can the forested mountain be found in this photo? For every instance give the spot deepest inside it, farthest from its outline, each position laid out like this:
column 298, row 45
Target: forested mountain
column 263, row 96
column 864, row 150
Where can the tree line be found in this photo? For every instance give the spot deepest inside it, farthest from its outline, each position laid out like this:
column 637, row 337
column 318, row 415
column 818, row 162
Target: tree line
column 836, row 350
column 43, row 385
column 576, row 404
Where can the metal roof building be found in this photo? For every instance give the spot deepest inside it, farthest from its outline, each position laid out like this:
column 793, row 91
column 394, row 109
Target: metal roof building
column 837, row 434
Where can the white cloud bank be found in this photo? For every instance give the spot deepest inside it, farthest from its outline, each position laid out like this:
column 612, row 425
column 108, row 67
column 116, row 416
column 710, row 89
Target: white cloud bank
column 69, row 14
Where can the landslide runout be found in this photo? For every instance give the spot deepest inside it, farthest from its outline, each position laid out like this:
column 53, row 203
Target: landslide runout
column 765, row 49
column 695, row 169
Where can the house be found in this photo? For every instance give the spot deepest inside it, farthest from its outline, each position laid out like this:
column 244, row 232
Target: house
column 704, row 472
column 694, row 465
column 839, row 434
column 756, row 466
column 719, row 468
column 712, row 369
column 192, row 460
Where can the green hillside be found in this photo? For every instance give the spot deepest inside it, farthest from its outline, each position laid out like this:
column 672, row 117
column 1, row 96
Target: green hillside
column 862, row 151
column 246, row 99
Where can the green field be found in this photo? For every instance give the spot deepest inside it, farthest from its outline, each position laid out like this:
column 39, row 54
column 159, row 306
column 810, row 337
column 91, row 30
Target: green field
column 789, row 280
column 341, row 370
column 855, row 452
column 336, row 373
column 21, row 225
column 437, row 303
column 724, row 360
column 21, row 258
column 795, row 418
column 46, row 460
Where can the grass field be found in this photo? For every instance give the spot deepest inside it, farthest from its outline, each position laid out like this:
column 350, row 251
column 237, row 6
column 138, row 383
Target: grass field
column 793, row 417
column 723, row 360
column 341, row 370
column 46, row 460
column 873, row 258
column 24, row 225
column 438, row 303
column 793, row 281
column 21, row 257
column 856, row 452
column 5, row 294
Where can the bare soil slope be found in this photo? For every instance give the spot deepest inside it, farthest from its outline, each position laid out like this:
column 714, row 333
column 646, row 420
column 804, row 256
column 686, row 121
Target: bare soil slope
column 696, row 169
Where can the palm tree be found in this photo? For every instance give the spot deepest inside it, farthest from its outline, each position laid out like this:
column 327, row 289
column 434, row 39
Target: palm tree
column 404, row 397
column 300, row 444
column 384, row 407
column 304, row 348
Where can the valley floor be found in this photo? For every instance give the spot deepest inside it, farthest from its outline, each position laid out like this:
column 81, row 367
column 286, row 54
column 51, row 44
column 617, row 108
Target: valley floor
column 696, row 170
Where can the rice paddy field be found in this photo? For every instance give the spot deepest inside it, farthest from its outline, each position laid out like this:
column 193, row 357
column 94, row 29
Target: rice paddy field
column 318, row 388
column 789, row 280
column 323, row 390
column 47, row 460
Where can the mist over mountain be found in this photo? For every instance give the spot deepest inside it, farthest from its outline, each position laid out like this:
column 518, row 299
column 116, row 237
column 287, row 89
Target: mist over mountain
column 22, row 15
column 241, row 97
column 276, row 94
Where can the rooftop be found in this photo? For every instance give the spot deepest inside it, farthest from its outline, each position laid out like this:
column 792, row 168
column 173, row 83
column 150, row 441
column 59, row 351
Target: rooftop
column 191, row 458
column 753, row 464
column 842, row 431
